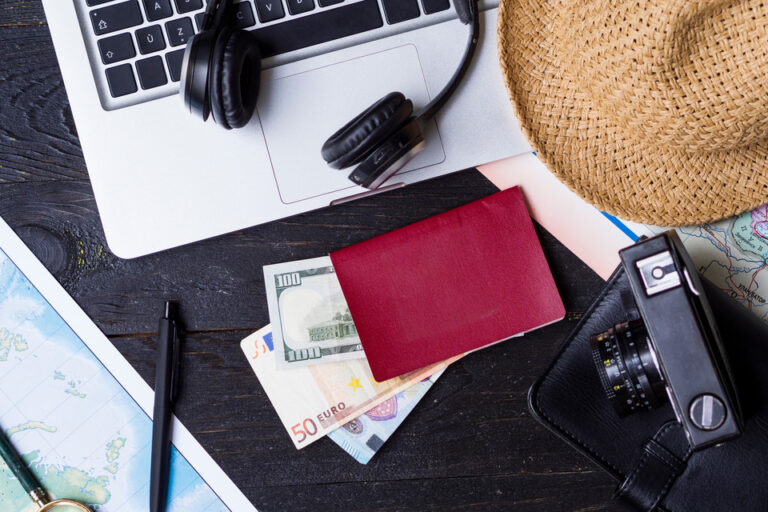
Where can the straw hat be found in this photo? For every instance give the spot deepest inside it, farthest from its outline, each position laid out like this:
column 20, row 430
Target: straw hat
column 655, row 111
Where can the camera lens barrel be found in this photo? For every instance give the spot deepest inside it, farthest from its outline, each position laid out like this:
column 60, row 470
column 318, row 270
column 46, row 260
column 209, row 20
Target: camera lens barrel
column 628, row 368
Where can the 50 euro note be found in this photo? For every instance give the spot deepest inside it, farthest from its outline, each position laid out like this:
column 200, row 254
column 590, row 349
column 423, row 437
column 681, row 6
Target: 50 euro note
column 311, row 401
column 310, row 318
column 363, row 436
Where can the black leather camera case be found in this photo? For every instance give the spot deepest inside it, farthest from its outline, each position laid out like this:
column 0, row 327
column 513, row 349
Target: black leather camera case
column 648, row 452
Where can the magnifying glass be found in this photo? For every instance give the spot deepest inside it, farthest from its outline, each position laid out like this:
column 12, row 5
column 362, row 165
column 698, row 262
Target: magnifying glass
column 30, row 483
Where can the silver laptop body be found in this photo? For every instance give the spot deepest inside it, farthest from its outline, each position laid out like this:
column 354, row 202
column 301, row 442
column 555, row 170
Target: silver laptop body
column 162, row 178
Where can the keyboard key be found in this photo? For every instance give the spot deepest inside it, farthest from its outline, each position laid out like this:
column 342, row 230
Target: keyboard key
column 300, row 6
column 199, row 20
column 151, row 72
column 116, row 48
column 244, row 15
column 91, row 3
column 179, row 31
column 150, row 39
column 433, row 6
column 173, row 59
column 157, row 9
column 185, row 6
column 116, row 17
column 269, row 10
column 397, row 11
column 319, row 28
column 326, row 3
column 121, row 81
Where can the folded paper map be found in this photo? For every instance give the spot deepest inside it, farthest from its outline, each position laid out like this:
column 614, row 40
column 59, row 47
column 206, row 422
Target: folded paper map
column 76, row 410
column 314, row 400
column 732, row 253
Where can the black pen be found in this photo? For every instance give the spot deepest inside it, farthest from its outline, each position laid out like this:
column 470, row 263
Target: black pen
column 166, row 382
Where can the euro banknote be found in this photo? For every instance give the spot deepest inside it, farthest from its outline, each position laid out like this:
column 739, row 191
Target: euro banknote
column 310, row 319
column 363, row 436
column 314, row 400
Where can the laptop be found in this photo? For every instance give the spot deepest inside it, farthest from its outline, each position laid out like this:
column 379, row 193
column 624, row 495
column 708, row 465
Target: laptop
column 162, row 178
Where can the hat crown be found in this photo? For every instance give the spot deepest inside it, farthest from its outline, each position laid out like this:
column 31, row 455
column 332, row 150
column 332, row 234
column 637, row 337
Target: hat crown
column 687, row 74
column 651, row 110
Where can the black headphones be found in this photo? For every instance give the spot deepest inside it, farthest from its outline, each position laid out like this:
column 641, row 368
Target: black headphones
column 221, row 69
column 382, row 139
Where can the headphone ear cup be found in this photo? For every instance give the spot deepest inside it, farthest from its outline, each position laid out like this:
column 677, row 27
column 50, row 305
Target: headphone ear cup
column 214, row 77
column 356, row 139
column 195, row 73
column 235, row 78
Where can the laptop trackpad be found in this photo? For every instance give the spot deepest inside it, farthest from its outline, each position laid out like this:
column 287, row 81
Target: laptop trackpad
column 300, row 108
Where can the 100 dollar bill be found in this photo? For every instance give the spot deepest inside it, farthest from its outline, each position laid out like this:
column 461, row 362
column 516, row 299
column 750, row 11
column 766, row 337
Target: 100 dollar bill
column 315, row 400
column 310, row 318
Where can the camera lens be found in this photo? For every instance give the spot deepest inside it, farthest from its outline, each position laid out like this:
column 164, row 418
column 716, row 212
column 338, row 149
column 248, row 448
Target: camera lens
column 628, row 368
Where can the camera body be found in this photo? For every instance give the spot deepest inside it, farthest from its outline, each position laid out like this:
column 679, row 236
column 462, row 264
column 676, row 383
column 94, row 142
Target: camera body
column 669, row 347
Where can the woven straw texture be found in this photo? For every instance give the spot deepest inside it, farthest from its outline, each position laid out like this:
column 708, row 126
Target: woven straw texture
column 654, row 111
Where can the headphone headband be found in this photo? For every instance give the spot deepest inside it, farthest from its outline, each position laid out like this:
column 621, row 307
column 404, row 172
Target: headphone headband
column 467, row 13
column 465, row 9
column 215, row 14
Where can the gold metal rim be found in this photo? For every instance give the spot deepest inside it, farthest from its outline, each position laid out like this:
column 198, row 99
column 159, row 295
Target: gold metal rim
column 52, row 505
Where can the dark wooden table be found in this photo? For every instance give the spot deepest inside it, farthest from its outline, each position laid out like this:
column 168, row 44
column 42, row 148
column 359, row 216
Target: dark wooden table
column 470, row 445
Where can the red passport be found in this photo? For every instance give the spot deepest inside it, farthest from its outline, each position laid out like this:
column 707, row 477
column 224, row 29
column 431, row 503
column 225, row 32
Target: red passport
column 447, row 285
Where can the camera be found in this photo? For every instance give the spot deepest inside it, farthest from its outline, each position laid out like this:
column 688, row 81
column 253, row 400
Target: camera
column 669, row 348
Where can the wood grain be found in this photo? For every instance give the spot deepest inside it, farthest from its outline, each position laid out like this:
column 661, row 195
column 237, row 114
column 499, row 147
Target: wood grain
column 38, row 140
column 470, row 445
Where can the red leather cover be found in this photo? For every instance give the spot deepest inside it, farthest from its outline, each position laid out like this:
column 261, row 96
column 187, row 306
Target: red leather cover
column 447, row 285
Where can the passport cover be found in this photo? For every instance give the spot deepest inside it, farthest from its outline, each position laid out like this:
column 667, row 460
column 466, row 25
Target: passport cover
column 449, row 284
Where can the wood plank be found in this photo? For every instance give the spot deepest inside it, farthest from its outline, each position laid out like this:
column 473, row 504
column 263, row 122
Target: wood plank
column 38, row 140
column 219, row 281
column 471, row 433
column 21, row 13
column 473, row 429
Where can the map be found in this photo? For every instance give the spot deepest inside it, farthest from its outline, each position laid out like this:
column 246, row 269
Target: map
column 732, row 253
column 75, row 425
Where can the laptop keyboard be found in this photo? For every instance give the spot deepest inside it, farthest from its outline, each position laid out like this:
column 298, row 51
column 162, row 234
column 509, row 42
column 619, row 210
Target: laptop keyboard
column 137, row 46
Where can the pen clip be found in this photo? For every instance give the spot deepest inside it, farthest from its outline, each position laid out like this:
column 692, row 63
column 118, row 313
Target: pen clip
column 176, row 348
